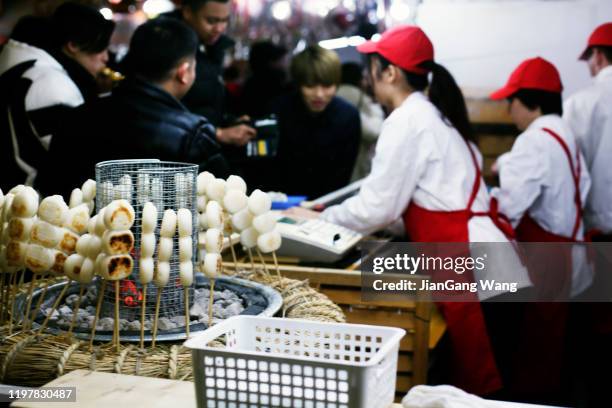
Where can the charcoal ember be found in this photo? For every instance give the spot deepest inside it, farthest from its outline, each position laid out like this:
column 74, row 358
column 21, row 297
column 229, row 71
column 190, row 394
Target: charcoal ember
column 134, row 325
column 198, row 309
column 166, row 324
column 82, row 314
column 71, row 299
column 65, row 311
column 123, row 324
column 201, row 295
column 55, row 314
column 234, row 309
column 219, row 311
column 92, row 295
column 179, row 321
column 105, row 324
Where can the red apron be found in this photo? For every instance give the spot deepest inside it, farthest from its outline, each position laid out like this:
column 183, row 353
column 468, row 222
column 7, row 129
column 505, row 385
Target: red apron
column 474, row 368
column 540, row 357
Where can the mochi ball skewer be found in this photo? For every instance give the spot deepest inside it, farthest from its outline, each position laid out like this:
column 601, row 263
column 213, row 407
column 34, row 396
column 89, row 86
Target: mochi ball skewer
column 185, row 228
column 147, row 248
column 162, row 271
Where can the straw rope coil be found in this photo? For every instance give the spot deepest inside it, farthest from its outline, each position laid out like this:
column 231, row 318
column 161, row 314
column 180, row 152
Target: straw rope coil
column 30, row 360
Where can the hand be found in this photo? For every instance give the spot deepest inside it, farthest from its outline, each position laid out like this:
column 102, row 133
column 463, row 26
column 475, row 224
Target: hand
column 495, row 167
column 303, row 213
column 237, row 135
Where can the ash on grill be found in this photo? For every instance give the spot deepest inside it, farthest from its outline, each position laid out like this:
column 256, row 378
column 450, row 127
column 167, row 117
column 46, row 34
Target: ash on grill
column 226, row 304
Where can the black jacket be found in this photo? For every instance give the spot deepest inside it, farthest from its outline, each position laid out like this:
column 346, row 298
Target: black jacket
column 207, row 96
column 138, row 121
column 316, row 153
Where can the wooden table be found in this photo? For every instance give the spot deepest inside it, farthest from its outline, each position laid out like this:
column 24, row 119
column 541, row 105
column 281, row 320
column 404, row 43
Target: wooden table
column 104, row 390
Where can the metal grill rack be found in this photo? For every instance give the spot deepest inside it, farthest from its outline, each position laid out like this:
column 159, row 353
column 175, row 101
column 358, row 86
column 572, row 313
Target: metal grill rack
column 168, row 185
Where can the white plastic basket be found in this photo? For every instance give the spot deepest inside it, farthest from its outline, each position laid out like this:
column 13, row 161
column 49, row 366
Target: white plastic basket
column 274, row 362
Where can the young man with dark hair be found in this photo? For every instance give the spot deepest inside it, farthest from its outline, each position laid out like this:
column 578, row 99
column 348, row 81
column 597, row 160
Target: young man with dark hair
column 209, row 19
column 589, row 115
column 143, row 117
column 319, row 132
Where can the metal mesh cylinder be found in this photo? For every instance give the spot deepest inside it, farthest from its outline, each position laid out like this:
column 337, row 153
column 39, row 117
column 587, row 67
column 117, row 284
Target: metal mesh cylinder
column 168, row 185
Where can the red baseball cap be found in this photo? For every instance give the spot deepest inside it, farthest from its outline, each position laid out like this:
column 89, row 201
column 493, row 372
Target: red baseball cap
column 535, row 73
column 602, row 36
column 405, row 46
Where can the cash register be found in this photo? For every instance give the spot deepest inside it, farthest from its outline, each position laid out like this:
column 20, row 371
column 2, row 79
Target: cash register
column 315, row 240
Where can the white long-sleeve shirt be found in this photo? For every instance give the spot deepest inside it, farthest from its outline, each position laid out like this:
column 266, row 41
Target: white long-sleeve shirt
column 421, row 158
column 589, row 115
column 535, row 178
column 372, row 117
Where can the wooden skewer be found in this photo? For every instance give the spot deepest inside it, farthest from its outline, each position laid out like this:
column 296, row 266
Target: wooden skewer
column 26, row 314
column 55, row 305
column 6, row 296
column 12, row 300
column 2, row 297
column 251, row 259
column 280, row 278
column 234, row 257
column 142, row 315
column 116, row 328
column 187, row 310
column 98, row 309
column 41, row 298
column 75, row 311
column 21, row 279
column 157, row 302
column 263, row 262
column 211, row 299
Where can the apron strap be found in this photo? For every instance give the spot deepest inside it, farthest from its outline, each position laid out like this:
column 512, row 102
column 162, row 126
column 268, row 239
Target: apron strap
column 575, row 175
column 476, row 185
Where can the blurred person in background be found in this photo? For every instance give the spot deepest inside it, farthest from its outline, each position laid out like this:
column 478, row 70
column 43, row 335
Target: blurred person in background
column 143, row 117
column 82, row 37
column 544, row 182
column 268, row 79
column 589, row 115
column 47, row 68
column 319, row 132
column 209, row 19
column 371, row 113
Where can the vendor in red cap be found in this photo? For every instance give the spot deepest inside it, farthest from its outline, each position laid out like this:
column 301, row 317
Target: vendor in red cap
column 427, row 172
column 544, row 179
column 543, row 183
column 589, row 115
